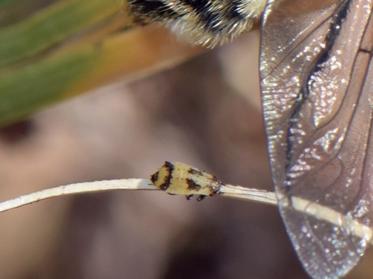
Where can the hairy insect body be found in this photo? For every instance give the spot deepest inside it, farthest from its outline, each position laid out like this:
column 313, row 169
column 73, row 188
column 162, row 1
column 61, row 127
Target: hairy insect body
column 205, row 22
column 181, row 179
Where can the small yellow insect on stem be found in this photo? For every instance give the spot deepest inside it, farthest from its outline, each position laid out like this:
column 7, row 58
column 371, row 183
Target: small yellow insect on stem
column 181, row 179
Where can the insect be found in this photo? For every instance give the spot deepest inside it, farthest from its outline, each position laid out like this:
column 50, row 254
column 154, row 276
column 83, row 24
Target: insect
column 181, row 179
column 317, row 89
column 317, row 95
column 205, row 22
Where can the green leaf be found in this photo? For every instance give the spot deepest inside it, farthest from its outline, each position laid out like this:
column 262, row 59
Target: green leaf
column 52, row 26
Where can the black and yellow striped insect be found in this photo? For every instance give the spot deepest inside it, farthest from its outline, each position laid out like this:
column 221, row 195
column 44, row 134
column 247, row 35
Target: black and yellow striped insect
column 206, row 22
column 181, row 179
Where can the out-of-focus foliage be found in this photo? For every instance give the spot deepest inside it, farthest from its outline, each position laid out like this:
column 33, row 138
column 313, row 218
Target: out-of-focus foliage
column 51, row 50
column 51, row 26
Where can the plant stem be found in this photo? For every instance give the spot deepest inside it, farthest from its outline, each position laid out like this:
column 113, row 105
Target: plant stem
column 299, row 204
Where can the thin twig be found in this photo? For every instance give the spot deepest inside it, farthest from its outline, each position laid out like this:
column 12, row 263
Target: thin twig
column 77, row 188
column 252, row 194
column 307, row 207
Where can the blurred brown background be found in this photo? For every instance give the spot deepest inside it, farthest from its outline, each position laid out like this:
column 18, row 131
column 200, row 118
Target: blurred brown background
column 205, row 112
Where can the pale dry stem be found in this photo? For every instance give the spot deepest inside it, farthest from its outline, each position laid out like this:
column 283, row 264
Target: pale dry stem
column 310, row 208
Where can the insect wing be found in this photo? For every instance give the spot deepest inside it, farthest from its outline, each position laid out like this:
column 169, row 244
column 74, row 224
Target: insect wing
column 317, row 95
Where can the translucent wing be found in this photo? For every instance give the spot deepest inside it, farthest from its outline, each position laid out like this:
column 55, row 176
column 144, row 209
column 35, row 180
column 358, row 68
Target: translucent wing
column 317, row 94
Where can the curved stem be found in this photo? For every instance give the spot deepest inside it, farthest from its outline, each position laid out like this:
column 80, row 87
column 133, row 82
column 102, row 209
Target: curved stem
column 302, row 205
column 77, row 188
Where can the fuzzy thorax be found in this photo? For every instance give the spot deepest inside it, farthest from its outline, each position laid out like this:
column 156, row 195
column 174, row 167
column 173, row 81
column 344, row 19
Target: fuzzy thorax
column 204, row 22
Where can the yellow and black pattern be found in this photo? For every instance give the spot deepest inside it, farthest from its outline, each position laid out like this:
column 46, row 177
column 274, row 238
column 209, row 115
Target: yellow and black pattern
column 206, row 22
column 181, row 179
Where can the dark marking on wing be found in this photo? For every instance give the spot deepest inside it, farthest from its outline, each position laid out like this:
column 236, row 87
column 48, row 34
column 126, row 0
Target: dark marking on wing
column 317, row 84
column 154, row 177
column 331, row 36
column 195, row 172
column 192, row 185
column 170, row 168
